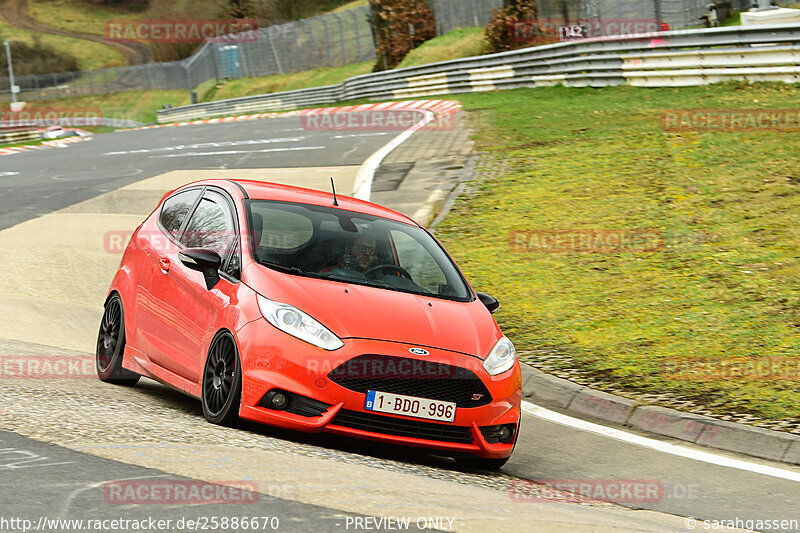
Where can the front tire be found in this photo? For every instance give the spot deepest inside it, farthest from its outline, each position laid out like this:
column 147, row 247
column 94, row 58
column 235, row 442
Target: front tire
column 111, row 346
column 222, row 381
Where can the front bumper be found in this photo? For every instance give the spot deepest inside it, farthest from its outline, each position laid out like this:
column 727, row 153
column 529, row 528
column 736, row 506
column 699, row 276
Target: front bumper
column 273, row 360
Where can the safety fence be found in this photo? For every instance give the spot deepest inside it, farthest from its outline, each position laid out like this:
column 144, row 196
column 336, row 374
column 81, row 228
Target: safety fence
column 662, row 59
column 334, row 39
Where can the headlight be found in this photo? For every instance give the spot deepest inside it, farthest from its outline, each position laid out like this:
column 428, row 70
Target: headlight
column 501, row 358
column 298, row 324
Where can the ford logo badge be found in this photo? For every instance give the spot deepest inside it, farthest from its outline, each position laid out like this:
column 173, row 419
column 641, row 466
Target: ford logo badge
column 418, row 351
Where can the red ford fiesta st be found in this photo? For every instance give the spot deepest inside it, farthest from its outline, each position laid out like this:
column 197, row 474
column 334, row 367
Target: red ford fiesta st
column 295, row 308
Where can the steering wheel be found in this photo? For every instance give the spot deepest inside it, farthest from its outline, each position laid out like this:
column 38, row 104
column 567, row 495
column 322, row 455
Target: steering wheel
column 403, row 272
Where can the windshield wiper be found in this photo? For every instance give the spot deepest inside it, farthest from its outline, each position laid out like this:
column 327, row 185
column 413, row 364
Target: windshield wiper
column 287, row 269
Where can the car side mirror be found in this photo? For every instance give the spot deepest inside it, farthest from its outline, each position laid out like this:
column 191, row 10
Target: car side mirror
column 490, row 302
column 202, row 260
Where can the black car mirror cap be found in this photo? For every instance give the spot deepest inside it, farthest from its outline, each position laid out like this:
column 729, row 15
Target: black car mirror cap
column 203, row 260
column 490, row 302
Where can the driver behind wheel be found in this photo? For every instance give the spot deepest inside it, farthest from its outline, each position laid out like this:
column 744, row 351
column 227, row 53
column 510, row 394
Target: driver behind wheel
column 361, row 253
column 358, row 255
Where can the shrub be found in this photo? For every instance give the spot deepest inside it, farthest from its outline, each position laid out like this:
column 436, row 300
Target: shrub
column 392, row 23
column 500, row 28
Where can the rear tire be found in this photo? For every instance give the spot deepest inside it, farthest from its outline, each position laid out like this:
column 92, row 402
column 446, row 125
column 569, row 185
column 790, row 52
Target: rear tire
column 222, row 381
column 111, row 346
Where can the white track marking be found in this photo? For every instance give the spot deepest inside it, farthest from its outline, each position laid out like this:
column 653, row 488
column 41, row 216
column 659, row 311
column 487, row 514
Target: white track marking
column 231, row 152
column 363, row 185
column 664, row 447
column 218, row 144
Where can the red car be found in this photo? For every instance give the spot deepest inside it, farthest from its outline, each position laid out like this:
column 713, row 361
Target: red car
column 298, row 309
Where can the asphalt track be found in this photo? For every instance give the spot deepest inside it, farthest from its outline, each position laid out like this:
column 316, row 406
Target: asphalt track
column 44, row 182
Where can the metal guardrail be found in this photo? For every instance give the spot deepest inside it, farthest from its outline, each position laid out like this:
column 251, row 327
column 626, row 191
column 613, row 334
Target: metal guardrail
column 18, row 136
column 663, row 59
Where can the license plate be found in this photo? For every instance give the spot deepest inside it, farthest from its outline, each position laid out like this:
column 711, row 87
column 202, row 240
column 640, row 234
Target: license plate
column 399, row 404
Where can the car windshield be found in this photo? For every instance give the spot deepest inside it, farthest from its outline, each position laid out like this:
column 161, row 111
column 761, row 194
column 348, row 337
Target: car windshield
column 351, row 247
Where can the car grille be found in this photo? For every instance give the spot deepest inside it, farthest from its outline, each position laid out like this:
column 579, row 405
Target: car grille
column 402, row 428
column 412, row 377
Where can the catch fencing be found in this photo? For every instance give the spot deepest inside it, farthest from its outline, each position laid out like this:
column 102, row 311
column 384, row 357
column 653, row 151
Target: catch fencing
column 662, row 59
column 330, row 40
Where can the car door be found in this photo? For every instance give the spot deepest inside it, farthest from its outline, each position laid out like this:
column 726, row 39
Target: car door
column 153, row 240
column 183, row 309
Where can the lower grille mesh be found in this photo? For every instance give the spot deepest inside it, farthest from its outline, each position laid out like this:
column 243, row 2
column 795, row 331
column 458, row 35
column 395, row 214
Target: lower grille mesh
column 402, row 428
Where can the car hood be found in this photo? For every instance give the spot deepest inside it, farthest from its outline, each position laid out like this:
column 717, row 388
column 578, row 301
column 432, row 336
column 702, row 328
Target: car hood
column 358, row 311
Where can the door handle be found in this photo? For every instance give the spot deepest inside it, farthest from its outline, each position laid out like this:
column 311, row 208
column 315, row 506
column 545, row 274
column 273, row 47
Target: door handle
column 164, row 262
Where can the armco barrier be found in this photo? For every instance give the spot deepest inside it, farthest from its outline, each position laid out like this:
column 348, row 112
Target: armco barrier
column 663, row 59
column 8, row 137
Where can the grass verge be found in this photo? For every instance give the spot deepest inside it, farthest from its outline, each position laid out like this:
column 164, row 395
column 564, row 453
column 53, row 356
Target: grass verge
column 724, row 286
column 140, row 106
column 456, row 44
column 286, row 82
column 78, row 16
column 89, row 55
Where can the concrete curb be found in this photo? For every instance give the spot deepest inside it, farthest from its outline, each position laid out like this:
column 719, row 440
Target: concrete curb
column 441, row 108
column 584, row 402
column 54, row 143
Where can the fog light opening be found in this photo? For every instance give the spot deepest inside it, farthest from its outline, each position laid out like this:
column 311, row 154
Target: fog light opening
column 278, row 400
column 506, row 433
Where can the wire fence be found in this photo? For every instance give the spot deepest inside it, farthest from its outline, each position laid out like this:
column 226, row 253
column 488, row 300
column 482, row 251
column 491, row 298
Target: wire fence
column 330, row 40
column 679, row 14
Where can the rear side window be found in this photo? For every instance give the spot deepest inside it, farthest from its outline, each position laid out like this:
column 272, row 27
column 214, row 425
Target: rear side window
column 175, row 210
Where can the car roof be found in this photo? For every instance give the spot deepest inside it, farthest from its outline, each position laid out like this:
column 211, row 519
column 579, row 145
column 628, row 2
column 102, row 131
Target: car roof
column 263, row 190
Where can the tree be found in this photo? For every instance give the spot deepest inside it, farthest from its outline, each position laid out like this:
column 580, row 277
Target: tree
column 503, row 31
column 399, row 26
column 238, row 9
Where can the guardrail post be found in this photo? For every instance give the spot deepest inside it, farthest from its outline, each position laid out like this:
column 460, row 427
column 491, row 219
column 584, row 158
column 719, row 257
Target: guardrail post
column 327, row 41
column 311, row 53
column 341, row 37
column 274, row 51
column 358, row 38
column 150, row 81
column 296, row 49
